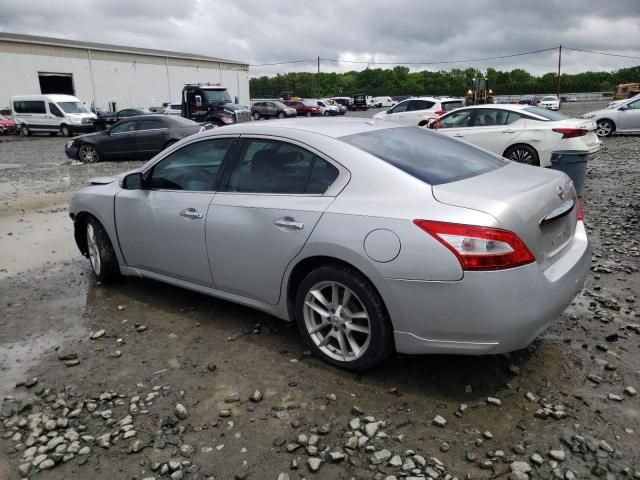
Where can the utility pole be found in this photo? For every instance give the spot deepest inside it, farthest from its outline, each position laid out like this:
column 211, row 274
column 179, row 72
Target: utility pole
column 318, row 80
column 558, row 79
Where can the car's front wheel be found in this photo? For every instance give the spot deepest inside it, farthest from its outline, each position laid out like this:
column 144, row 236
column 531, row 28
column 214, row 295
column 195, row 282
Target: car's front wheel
column 104, row 262
column 604, row 128
column 343, row 318
column 256, row 116
column 88, row 154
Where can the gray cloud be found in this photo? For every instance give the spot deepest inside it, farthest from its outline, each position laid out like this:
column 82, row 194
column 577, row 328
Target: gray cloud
column 260, row 31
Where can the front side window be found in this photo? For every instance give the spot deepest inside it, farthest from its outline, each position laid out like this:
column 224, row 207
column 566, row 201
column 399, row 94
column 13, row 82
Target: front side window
column 271, row 166
column 456, row 119
column 123, row 127
column 634, row 105
column 401, row 107
column 55, row 110
column 193, row 168
column 431, row 157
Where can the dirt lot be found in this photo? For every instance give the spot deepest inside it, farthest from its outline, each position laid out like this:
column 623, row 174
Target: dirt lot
column 255, row 405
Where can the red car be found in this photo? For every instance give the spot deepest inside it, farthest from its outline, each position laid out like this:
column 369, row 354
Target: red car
column 7, row 125
column 307, row 108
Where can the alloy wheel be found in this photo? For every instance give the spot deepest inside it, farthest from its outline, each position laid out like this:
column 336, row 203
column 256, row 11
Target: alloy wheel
column 88, row 154
column 337, row 321
column 92, row 247
column 521, row 155
column 603, row 129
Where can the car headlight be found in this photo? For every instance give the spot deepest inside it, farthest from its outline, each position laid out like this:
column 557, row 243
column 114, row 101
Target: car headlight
column 227, row 120
column 70, row 144
column 588, row 115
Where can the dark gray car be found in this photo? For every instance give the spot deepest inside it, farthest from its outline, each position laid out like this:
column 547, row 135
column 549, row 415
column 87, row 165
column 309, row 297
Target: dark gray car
column 141, row 136
column 271, row 109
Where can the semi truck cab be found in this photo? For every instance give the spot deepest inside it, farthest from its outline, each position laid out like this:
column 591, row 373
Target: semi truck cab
column 213, row 104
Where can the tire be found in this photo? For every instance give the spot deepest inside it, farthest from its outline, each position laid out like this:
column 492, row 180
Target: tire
column 88, row 154
column 65, row 131
column 24, row 131
column 102, row 257
column 522, row 154
column 359, row 349
column 280, row 115
column 308, row 114
column 256, row 116
column 604, row 128
column 326, row 113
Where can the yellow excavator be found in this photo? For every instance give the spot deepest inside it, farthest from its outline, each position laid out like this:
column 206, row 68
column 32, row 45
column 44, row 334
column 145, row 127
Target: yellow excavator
column 479, row 92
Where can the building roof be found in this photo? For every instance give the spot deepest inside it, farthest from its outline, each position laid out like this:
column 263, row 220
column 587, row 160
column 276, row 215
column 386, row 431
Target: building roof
column 62, row 42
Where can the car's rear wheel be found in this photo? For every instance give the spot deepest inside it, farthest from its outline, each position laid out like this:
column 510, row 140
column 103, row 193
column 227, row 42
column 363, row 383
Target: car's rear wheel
column 65, row 131
column 342, row 318
column 326, row 113
column 104, row 262
column 24, row 131
column 88, row 154
column 522, row 154
column 604, row 128
column 256, row 116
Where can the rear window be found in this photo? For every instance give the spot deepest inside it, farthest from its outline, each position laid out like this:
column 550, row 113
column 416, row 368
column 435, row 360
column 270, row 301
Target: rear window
column 448, row 106
column 29, row 106
column 544, row 113
column 430, row 157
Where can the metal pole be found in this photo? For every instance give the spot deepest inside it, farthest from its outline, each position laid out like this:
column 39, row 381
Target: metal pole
column 318, row 79
column 558, row 79
column 93, row 88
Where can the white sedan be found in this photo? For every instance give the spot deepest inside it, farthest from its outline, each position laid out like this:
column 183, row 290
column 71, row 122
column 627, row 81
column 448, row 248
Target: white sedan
column 521, row 133
column 550, row 102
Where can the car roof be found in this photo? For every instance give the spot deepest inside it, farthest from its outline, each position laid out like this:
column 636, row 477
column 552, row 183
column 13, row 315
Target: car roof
column 500, row 106
column 56, row 97
column 330, row 127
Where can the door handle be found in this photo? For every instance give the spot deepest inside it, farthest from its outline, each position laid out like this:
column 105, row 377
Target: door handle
column 190, row 213
column 458, row 135
column 509, row 131
column 289, row 223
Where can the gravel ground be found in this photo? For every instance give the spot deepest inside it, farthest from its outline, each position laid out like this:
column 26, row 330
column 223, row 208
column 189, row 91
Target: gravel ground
column 141, row 380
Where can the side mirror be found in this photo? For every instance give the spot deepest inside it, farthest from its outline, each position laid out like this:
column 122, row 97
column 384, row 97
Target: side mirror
column 133, row 181
column 198, row 101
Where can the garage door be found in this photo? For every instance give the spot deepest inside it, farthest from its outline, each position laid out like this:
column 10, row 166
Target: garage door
column 56, row 83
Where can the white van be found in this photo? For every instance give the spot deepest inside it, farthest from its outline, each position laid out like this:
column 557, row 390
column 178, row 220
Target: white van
column 379, row 102
column 62, row 114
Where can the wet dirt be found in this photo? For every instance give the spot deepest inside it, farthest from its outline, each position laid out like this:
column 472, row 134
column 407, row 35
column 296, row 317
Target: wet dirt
column 51, row 303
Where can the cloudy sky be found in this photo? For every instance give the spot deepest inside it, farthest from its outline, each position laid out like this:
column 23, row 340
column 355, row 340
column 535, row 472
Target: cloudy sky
column 265, row 31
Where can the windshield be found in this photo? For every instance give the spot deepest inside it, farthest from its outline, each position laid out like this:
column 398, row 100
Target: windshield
column 217, row 96
column 72, row 107
column 430, row 157
column 549, row 99
column 544, row 113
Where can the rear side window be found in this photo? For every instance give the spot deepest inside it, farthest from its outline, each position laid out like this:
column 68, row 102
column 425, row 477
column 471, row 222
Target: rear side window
column 428, row 156
column 420, row 105
column 150, row 124
column 270, row 166
column 29, row 106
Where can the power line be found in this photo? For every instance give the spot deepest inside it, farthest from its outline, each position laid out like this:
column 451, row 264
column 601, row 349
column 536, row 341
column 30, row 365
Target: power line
column 443, row 62
column 283, row 63
column 602, row 53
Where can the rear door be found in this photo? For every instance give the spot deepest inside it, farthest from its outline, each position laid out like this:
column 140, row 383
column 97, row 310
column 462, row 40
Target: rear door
column 419, row 110
column 151, row 134
column 275, row 195
column 494, row 129
column 161, row 228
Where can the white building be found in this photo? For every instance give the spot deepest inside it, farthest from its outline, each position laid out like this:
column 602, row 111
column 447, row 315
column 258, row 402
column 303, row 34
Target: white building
column 99, row 74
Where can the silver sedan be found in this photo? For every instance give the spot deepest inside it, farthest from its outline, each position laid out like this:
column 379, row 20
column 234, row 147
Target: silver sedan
column 373, row 237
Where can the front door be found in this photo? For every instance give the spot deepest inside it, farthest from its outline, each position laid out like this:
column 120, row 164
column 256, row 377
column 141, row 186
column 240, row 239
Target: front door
column 274, row 198
column 120, row 140
column 161, row 228
column 629, row 119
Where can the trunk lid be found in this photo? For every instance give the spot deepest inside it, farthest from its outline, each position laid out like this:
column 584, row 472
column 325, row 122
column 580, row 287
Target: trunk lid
column 520, row 197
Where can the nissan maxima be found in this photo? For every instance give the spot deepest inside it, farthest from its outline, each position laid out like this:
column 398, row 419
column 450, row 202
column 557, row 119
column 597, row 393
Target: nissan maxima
column 373, row 237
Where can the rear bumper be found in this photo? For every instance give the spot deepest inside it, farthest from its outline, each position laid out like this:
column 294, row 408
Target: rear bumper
column 486, row 312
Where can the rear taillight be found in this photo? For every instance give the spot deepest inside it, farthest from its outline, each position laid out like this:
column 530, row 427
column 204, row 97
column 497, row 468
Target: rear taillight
column 441, row 112
column 571, row 132
column 579, row 211
column 479, row 248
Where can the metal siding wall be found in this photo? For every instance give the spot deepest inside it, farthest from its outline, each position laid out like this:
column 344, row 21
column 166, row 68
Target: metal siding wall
column 131, row 80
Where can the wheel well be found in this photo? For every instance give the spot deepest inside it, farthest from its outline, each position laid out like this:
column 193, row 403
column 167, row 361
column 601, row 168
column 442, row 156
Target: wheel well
column 613, row 124
column 306, row 266
column 522, row 145
column 79, row 227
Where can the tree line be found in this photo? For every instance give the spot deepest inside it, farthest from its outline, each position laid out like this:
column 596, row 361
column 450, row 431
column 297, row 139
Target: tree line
column 400, row 81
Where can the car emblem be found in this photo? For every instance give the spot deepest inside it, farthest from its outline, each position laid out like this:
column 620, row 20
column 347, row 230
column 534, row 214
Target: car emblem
column 560, row 192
